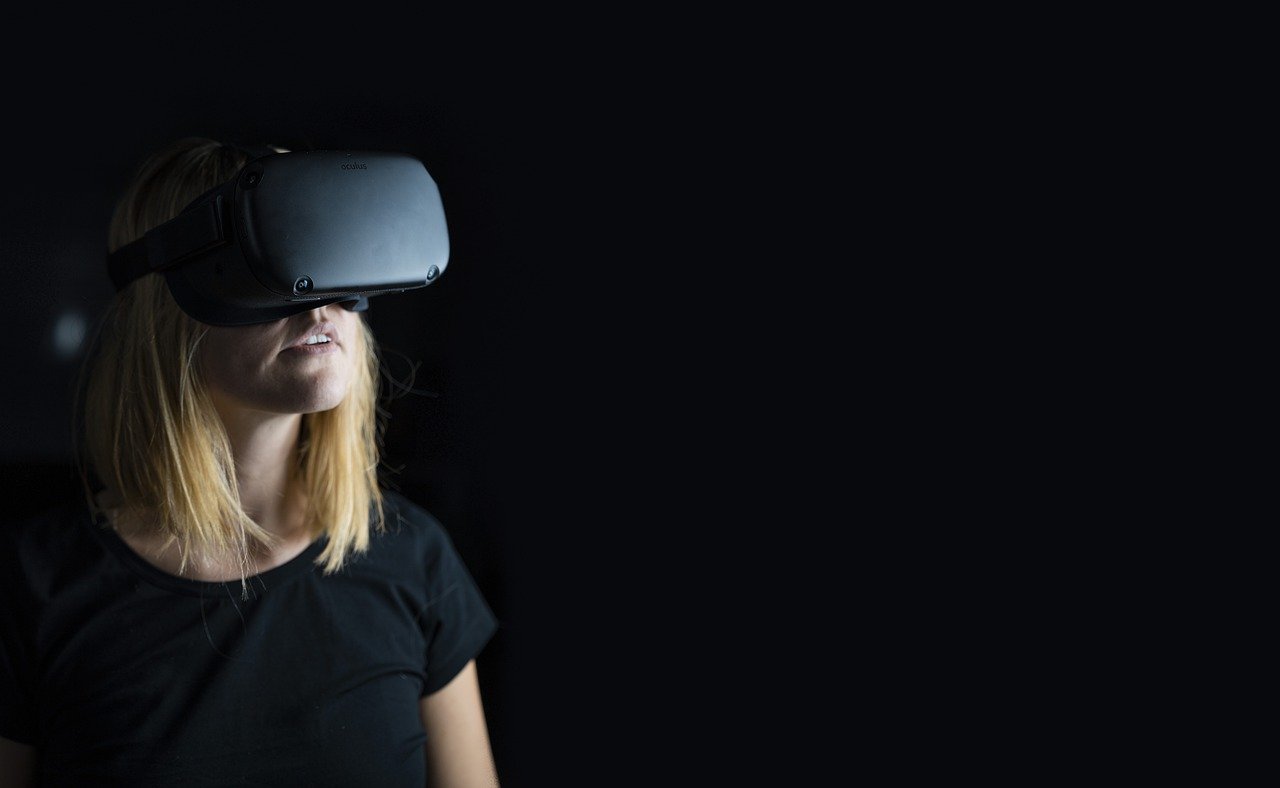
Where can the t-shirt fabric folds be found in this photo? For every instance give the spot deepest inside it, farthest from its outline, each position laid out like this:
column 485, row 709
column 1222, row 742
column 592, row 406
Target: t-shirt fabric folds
column 122, row 674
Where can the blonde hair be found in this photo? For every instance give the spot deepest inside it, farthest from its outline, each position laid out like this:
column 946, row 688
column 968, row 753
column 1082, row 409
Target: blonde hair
column 149, row 424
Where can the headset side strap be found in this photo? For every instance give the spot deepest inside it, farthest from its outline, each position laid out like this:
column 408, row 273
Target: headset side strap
column 188, row 233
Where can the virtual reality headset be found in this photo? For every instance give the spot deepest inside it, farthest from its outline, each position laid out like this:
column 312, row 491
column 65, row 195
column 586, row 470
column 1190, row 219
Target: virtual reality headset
column 295, row 231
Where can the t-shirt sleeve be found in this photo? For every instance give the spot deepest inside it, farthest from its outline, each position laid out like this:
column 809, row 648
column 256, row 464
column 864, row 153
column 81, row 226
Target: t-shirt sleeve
column 457, row 620
column 17, row 705
column 16, row 710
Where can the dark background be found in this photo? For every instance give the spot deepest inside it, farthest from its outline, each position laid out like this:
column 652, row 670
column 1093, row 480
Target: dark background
column 535, row 381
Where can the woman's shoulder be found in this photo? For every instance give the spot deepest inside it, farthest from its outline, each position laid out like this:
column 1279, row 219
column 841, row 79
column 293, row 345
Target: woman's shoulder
column 397, row 503
column 408, row 520
column 40, row 539
column 424, row 546
column 46, row 525
column 406, row 515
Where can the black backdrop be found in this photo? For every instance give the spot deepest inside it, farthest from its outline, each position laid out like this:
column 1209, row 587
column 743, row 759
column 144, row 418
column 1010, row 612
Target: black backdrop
column 512, row 435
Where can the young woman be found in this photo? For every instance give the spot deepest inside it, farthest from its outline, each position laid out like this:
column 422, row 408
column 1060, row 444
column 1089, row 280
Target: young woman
column 236, row 601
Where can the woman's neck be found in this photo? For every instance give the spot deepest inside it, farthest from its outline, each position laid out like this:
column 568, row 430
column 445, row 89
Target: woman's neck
column 265, row 447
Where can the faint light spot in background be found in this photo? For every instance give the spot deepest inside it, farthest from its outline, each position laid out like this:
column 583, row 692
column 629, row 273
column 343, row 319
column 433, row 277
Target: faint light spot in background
column 68, row 334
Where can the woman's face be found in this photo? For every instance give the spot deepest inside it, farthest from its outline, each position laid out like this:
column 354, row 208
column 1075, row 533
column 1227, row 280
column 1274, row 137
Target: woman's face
column 267, row 367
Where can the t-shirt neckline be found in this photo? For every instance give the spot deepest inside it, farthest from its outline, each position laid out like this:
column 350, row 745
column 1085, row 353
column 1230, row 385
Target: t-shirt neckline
column 264, row 581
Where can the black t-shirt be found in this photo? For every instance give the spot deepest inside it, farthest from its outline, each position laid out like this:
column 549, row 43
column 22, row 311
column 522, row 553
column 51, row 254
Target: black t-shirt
column 122, row 674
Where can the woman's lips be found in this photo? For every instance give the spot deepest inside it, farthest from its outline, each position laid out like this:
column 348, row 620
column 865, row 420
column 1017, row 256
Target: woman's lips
column 326, row 329
column 318, row 349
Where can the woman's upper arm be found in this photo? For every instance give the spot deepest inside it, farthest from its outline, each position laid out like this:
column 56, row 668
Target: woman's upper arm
column 17, row 764
column 458, row 751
